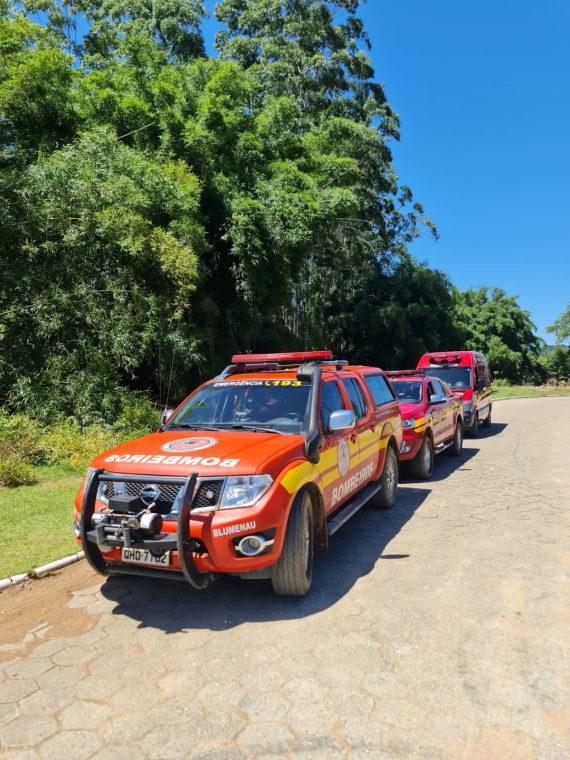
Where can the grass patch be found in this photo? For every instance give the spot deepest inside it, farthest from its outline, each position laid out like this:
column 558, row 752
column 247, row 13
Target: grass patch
column 529, row 391
column 37, row 520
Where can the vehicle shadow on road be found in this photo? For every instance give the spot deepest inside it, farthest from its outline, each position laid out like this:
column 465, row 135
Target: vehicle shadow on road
column 443, row 466
column 352, row 554
column 494, row 429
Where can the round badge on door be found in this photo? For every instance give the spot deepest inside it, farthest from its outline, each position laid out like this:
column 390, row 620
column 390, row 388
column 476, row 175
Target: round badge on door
column 343, row 455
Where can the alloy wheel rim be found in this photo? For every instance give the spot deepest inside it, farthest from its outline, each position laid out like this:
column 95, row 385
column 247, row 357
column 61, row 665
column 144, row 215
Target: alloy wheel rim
column 427, row 457
column 391, row 476
column 306, row 541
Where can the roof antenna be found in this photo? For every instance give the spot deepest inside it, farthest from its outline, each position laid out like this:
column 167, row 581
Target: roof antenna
column 169, row 380
column 163, row 416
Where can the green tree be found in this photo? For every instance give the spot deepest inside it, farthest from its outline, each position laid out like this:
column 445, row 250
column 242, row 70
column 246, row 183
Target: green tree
column 495, row 324
column 561, row 327
column 161, row 209
column 103, row 277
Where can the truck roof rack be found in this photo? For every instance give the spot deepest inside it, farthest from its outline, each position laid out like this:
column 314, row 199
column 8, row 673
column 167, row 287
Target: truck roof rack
column 404, row 372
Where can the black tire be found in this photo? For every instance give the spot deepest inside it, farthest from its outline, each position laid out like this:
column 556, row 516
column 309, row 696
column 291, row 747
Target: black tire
column 457, row 444
column 421, row 465
column 386, row 496
column 473, row 430
column 487, row 421
column 294, row 570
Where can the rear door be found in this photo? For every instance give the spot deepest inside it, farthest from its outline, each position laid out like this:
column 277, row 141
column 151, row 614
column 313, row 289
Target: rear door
column 436, row 412
column 387, row 411
column 484, row 393
column 367, row 426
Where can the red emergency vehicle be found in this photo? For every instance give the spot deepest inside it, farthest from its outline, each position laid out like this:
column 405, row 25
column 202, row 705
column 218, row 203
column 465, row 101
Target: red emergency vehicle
column 432, row 419
column 248, row 475
column 467, row 374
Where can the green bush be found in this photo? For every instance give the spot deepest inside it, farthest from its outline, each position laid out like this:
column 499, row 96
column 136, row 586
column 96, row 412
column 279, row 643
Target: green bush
column 137, row 417
column 28, row 442
column 65, row 443
column 19, row 438
column 15, row 472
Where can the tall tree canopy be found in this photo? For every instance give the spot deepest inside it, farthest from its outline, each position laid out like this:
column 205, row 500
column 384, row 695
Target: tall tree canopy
column 160, row 209
column 494, row 323
column 561, row 327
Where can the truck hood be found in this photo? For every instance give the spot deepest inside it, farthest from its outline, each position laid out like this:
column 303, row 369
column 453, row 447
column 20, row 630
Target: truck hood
column 217, row 453
column 412, row 410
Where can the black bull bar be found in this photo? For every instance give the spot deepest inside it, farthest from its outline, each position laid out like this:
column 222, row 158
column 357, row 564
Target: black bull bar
column 90, row 542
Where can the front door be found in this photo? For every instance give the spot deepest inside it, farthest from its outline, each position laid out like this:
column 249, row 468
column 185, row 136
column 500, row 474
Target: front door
column 339, row 452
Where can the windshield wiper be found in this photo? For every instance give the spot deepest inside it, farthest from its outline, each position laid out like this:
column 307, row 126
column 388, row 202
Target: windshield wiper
column 256, row 429
column 193, row 426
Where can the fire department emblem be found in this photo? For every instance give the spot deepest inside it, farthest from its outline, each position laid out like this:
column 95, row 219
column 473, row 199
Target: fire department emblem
column 343, row 455
column 182, row 445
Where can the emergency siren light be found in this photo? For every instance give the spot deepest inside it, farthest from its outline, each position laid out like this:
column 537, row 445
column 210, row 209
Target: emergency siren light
column 294, row 357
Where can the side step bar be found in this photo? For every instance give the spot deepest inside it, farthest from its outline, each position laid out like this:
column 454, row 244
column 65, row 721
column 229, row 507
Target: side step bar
column 443, row 447
column 352, row 507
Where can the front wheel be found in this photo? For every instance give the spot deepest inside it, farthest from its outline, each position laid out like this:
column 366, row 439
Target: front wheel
column 294, row 571
column 457, row 443
column 422, row 463
column 385, row 498
column 473, row 430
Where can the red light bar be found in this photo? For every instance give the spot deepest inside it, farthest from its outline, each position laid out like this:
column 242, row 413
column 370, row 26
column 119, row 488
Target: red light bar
column 444, row 359
column 285, row 358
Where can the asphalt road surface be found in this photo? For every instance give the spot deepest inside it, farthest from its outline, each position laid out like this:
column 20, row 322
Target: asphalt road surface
column 440, row 629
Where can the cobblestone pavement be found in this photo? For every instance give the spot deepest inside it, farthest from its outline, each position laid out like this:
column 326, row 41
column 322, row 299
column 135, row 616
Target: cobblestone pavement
column 440, row 629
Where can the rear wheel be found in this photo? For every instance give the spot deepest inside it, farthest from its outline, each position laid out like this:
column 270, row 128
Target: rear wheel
column 422, row 463
column 457, row 443
column 487, row 422
column 294, row 571
column 385, row 498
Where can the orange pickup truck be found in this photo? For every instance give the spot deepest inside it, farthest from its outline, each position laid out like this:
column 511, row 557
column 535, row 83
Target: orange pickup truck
column 251, row 473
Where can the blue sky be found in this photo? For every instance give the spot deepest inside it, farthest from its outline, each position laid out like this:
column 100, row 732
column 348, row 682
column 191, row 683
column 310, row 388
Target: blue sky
column 482, row 89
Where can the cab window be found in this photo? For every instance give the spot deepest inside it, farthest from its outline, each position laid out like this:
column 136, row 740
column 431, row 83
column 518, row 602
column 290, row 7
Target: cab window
column 379, row 389
column 331, row 401
column 356, row 398
column 438, row 388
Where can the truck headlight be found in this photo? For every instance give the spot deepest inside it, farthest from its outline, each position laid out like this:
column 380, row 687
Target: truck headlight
column 467, row 406
column 408, row 423
column 244, row 490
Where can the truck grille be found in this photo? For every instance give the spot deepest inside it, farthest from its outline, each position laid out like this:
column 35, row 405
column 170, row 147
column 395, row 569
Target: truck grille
column 207, row 494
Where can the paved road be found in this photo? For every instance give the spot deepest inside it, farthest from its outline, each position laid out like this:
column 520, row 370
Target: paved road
column 441, row 629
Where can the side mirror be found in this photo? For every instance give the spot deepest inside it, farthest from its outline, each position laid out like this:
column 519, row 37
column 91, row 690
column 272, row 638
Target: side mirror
column 166, row 415
column 479, row 385
column 437, row 398
column 342, row 419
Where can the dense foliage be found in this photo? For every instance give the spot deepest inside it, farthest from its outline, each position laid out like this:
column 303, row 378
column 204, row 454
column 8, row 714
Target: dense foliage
column 160, row 209
column 561, row 326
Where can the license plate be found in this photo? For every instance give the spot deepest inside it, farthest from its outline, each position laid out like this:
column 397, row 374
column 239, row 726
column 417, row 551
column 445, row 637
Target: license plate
column 144, row 557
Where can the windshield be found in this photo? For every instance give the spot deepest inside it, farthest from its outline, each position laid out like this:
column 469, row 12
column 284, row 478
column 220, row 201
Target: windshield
column 280, row 406
column 455, row 377
column 408, row 391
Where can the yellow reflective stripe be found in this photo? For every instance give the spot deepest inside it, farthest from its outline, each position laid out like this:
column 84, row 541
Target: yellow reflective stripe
column 331, row 477
column 299, row 476
column 326, row 470
column 421, row 423
column 328, row 459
